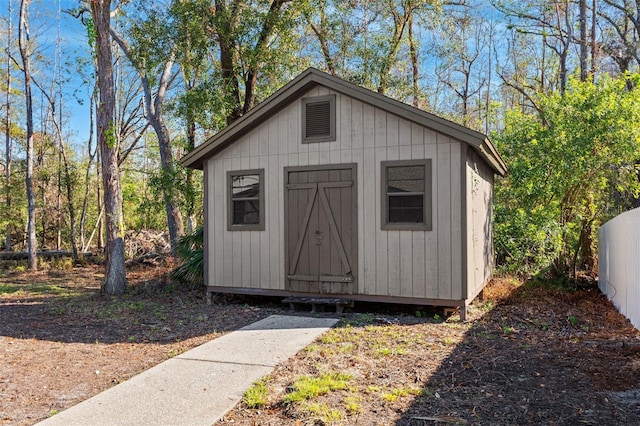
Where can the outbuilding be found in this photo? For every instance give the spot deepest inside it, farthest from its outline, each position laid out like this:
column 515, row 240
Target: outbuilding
column 327, row 189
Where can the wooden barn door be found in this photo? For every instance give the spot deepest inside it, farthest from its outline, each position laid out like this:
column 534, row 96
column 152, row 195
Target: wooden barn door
column 321, row 229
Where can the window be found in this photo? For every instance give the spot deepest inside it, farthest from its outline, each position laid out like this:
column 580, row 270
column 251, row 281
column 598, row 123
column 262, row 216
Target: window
column 406, row 191
column 245, row 200
column 319, row 119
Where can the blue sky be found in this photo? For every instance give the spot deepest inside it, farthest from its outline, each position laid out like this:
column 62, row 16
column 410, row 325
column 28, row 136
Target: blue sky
column 47, row 18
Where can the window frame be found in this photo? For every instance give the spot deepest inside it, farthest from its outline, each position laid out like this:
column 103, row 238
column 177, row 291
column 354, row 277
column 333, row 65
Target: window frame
column 427, row 200
column 332, row 118
column 260, row 226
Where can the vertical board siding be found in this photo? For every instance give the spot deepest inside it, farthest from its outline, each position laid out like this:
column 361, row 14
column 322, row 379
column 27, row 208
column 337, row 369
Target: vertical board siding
column 480, row 253
column 273, row 232
column 443, row 190
column 390, row 263
column 618, row 266
column 455, row 172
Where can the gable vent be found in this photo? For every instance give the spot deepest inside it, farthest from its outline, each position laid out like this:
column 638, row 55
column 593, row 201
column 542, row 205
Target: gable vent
column 318, row 119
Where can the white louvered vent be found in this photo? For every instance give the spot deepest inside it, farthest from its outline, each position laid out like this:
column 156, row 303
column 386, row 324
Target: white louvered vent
column 318, row 119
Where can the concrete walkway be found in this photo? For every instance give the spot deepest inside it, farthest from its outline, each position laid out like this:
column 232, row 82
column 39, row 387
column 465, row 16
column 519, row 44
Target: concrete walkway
column 201, row 385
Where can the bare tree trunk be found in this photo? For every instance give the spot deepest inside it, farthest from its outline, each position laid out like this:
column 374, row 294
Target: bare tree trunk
column 191, row 144
column 85, row 200
column 321, row 34
column 563, row 71
column 258, row 50
column 414, row 64
column 153, row 102
column 543, row 65
column 594, row 48
column 25, row 53
column 565, row 41
column 174, row 218
column 70, row 205
column 115, row 275
column 228, row 22
column 487, row 99
column 100, row 221
column 400, row 22
column 59, row 197
column 7, row 169
column 62, row 161
column 584, row 68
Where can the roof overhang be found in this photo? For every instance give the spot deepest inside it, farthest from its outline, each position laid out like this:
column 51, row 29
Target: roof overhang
column 313, row 77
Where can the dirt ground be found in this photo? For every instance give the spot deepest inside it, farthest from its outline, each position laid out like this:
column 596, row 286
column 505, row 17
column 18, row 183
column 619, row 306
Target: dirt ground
column 61, row 342
column 530, row 354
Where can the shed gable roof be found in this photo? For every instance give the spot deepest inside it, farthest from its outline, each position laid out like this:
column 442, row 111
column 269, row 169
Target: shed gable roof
column 313, row 77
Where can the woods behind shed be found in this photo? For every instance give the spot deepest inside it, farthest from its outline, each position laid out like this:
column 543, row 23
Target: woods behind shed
column 327, row 188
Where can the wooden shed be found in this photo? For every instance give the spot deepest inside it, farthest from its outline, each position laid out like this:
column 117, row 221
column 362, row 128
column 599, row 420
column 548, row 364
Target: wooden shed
column 327, row 189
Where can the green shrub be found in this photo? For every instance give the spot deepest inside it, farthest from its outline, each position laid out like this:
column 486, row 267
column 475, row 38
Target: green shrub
column 190, row 251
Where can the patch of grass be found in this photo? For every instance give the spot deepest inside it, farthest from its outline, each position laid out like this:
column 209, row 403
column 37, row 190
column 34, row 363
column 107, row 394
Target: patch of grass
column 158, row 311
column 8, row 289
column 396, row 393
column 373, row 389
column 308, row 387
column 38, row 288
column 346, row 347
column 312, row 348
column 484, row 335
column 507, row 330
column 330, row 338
column 544, row 326
column 448, row 341
column 352, row 404
column 139, row 306
column 384, row 351
column 325, row 414
column 257, row 395
column 49, row 289
column 487, row 305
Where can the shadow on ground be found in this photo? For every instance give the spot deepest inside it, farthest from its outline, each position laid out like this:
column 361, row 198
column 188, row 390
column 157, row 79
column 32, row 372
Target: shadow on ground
column 66, row 306
column 539, row 356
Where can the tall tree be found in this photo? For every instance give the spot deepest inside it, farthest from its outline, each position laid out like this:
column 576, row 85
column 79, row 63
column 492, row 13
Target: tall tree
column 553, row 23
column 8, row 159
column 69, row 179
column 464, row 66
column 192, row 54
column 402, row 15
column 244, row 32
column 584, row 42
column 25, row 53
column 115, row 275
column 622, row 31
column 149, row 57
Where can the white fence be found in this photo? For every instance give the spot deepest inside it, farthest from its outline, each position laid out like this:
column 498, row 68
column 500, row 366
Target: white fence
column 619, row 263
